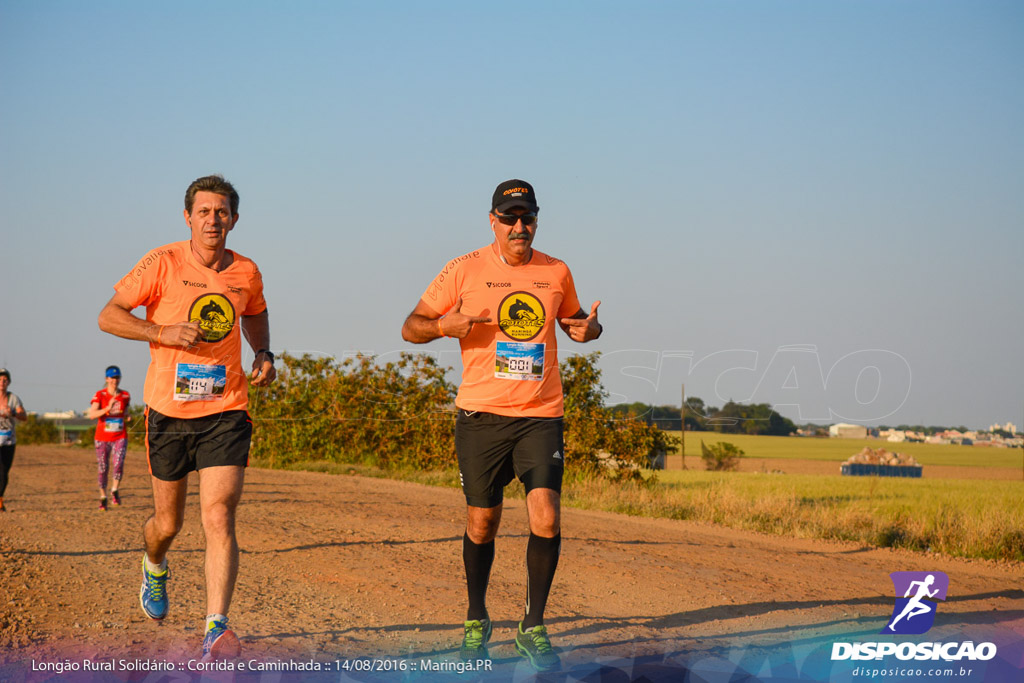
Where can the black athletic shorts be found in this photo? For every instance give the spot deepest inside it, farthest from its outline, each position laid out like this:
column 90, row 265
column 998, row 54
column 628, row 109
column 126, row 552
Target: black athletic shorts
column 176, row 446
column 494, row 449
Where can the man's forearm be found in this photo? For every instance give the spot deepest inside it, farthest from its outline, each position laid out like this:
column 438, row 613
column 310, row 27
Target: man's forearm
column 420, row 329
column 256, row 329
column 121, row 323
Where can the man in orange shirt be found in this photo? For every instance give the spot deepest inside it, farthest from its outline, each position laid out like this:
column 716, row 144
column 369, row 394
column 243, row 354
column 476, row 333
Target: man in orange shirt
column 200, row 298
column 501, row 301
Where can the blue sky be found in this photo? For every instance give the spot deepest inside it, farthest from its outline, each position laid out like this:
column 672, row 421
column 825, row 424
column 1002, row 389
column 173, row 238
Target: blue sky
column 815, row 205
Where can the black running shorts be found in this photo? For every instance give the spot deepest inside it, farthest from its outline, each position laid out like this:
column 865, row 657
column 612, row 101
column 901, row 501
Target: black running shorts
column 177, row 446
column 494, row 449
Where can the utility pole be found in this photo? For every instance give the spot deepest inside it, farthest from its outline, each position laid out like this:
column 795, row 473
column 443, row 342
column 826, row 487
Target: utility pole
column 677, row 461
column 682, row 425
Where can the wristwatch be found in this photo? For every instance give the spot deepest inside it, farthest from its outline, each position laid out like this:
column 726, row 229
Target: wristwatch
column 268, row 353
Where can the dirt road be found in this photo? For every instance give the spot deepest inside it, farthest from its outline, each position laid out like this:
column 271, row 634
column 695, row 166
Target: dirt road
column 342, row 567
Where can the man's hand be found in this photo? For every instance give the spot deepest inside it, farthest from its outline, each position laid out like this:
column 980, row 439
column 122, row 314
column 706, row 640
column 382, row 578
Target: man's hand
column 263, row 371
column 185, row 335
column 456, row 324
column 583, row 329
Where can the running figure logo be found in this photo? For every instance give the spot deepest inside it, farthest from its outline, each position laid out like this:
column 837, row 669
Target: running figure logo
column 914, row 613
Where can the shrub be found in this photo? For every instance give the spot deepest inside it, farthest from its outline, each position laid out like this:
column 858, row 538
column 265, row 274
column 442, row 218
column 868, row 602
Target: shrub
column 35, row 430
column 599, row 443
column 398, row 414
column 401, row 415
column 720, row 456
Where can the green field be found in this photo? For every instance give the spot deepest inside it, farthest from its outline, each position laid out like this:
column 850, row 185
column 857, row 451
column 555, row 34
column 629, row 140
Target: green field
column 838, row 450
column 960, row 518
column 975, row 518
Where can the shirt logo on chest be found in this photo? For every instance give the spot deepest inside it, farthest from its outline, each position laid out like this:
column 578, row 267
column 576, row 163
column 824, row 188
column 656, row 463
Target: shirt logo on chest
column 521, row 316
column 215, row 315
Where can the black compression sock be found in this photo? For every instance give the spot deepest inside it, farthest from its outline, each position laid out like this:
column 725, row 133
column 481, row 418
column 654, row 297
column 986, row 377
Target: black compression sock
column 541, row 562
column 478, row 559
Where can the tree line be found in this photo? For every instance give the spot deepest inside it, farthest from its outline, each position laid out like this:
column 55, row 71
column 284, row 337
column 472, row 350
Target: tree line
column 732, row 418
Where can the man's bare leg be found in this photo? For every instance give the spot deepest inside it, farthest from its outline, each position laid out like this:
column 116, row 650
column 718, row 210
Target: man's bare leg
column 168, row 515
column 220, row 489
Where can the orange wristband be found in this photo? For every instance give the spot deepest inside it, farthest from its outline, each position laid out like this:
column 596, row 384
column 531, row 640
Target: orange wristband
column 158, row 334
column 439, row 329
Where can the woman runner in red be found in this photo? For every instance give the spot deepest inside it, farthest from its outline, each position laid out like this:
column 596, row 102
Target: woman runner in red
column 110, row 408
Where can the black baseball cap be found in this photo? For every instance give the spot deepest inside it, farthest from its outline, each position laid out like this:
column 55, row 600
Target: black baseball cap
column 513, row 194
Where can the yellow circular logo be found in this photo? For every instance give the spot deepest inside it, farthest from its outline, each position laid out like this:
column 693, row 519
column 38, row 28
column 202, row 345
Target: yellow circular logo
column 521, row 316
column 215, row 315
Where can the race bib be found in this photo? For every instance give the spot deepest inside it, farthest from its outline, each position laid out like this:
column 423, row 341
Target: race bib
column 198, row 382
column 6, row 436
column 519, row 360
column 113, row 424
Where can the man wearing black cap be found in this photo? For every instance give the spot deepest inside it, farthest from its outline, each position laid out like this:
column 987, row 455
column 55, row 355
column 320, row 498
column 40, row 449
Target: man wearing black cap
column 501, row 301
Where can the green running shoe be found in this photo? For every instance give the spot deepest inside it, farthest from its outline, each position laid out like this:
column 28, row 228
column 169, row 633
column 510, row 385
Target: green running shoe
column 474, row 643
column 536, row 647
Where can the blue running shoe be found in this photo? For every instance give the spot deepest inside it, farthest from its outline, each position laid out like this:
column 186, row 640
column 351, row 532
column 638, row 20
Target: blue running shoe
column 154, row 592
column 220, row 642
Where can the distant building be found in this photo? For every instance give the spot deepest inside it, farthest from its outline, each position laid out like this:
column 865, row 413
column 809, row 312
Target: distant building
column 848, row 431
column 71, row 425
column 893, row 435
column 1008, row 427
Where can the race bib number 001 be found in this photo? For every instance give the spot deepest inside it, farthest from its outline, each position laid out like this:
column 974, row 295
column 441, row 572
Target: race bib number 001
column 198, row 382
column 519, row 360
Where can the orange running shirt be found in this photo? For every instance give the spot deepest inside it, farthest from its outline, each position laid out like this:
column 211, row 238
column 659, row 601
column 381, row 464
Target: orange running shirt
column 175, row 288
column 509, row 365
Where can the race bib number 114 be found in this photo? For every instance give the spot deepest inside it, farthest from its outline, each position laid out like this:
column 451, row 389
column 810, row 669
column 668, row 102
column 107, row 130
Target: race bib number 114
column 198, row 382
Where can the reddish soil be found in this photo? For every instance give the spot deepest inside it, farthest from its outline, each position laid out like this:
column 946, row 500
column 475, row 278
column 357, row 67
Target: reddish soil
column 338, row 567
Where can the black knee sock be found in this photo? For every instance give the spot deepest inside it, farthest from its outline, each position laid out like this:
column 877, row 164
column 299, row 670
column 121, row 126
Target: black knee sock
column 478, row 559
column 541, row 562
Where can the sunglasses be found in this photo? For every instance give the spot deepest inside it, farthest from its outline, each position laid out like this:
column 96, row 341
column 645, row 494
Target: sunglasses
column 512, row 219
